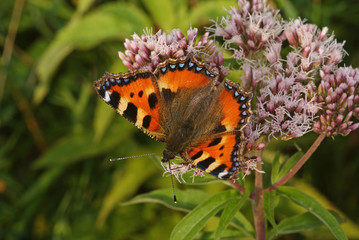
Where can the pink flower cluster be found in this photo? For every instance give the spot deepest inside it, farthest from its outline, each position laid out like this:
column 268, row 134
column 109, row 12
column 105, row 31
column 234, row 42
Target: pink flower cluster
column 148, row 50
column 291, row 67
column 338, row 94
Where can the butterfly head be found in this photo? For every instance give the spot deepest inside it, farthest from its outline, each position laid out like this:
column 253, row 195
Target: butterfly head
column 168, row 155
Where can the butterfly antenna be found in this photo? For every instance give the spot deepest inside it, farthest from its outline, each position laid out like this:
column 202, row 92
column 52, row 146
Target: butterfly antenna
column 173, row 187
column 143, row 155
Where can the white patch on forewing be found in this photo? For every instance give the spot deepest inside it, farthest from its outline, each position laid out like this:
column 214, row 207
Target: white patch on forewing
column 107, row 96
column 222, row 174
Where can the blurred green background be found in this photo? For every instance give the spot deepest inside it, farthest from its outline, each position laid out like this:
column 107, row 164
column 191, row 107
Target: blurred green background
column 57, row 136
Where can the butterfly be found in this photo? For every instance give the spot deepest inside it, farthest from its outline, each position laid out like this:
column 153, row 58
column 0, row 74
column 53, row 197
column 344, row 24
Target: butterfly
column 183, row 104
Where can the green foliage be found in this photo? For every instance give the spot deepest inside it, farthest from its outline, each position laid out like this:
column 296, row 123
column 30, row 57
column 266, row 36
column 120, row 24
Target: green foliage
column 57, row 136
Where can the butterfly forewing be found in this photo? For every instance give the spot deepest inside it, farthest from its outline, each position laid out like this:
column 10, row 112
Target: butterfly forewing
column 135, row 96
column 175, row 75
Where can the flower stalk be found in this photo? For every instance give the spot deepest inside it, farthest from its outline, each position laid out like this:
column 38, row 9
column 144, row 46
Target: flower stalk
column 258, row 212
column 300, row 163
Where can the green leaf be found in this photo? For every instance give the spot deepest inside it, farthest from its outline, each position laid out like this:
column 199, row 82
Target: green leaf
column 162, row 12
column 206, row 10
column 84, row 5
column 226, row 234
column 120, row 189
column 103, row 116
column 193, row 222
column 275, row 168
column 288, row 9
column 243, row 224
column 228, row 213
column 40, row 186
column 289, row 164
column 111, row 21
column 298, row 223
column 75, row 148
column 315, row 208
column 269, row 205
column 186, row 199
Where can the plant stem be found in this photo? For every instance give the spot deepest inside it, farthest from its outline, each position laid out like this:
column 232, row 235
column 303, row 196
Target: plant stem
column 300, row 163
column 237, row 186
column 258, row 212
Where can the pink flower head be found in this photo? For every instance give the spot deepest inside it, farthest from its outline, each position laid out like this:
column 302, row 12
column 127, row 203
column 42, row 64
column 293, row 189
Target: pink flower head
column 338, row 94
column 148, row 50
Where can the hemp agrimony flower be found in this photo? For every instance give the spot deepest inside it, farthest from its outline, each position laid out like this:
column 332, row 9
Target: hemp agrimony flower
column 291, row 67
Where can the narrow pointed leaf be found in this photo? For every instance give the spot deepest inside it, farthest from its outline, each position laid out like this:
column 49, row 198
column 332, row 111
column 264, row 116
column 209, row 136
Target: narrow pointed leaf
column 228, row 213
column 289, row 164
column 243, row 224
column 269, row 205
column 298, row 223
column 111, row 21
column 193, row 222
column 315, row 208
column 275, row 168
column 187, row 200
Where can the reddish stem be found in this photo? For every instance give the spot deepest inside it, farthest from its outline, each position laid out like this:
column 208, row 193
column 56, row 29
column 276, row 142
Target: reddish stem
column 237, row 186
column 258, row 213
column 300, row 163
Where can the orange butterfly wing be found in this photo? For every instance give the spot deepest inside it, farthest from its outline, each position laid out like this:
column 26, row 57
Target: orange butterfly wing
column 220, row 155
column 135, row 96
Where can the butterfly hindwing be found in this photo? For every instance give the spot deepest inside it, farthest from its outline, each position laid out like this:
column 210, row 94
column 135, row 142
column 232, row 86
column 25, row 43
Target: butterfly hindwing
column 135, row 96
column 219, row 155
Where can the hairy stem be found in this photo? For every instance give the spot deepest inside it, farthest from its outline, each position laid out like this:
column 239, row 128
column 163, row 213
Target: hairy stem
column 300, row 163
column 258, row 213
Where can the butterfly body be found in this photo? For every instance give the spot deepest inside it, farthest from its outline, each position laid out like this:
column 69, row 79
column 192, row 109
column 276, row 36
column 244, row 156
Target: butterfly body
column 182, row 103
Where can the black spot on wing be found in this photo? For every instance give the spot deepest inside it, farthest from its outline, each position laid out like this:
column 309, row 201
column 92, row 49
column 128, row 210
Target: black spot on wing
column 168, row 95
column 146, row 121
column 197, row 155
column 130, row 113
column 220, row 129
column 152, row 100
column 218, row 170
column 205, row 163
column 215, row 142
column 114, row 99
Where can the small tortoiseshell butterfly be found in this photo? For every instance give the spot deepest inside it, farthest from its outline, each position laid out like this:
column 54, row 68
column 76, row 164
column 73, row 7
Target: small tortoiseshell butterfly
column 183, row 104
